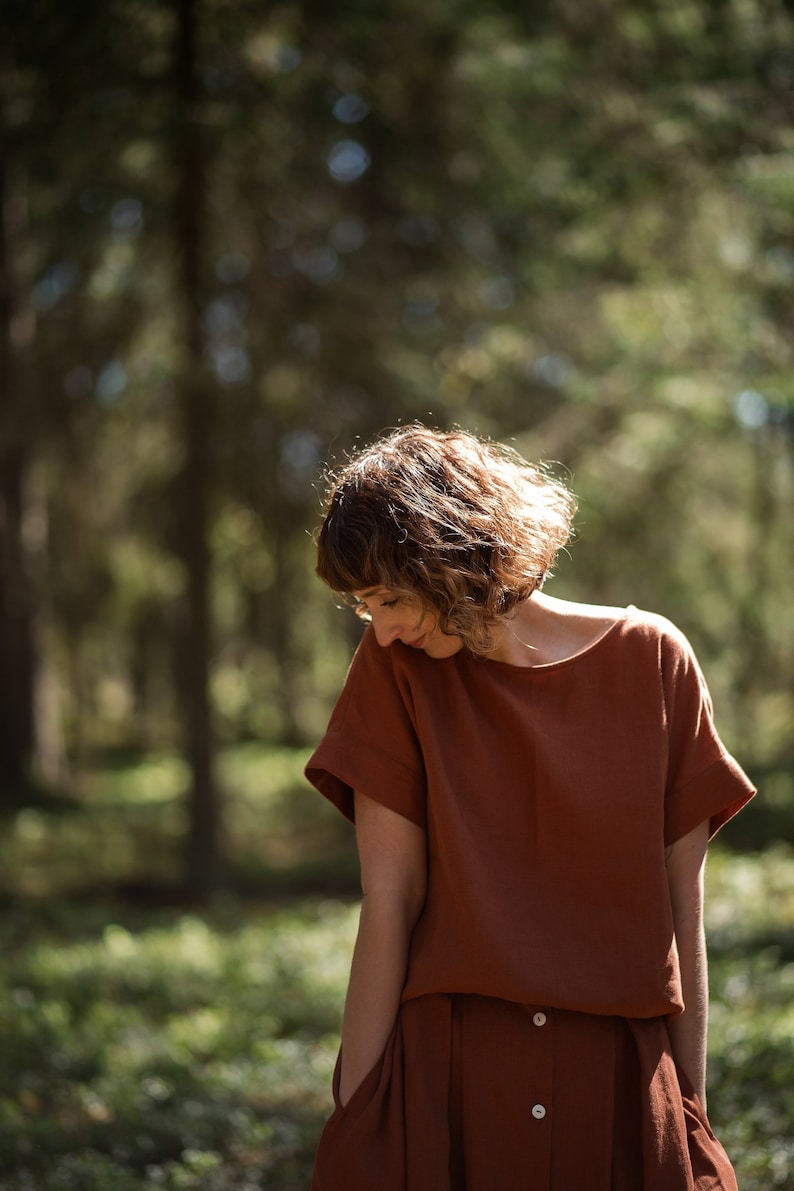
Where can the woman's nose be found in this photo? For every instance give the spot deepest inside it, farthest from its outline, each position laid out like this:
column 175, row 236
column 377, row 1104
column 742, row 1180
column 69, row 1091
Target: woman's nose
column 386, row 634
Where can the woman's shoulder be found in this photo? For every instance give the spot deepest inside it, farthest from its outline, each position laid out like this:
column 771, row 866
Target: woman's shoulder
column 660, row 627
column 638, row 625
column 604, row 614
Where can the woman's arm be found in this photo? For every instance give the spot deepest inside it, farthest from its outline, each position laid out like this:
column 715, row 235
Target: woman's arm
column 686, row 861
column 393, row 857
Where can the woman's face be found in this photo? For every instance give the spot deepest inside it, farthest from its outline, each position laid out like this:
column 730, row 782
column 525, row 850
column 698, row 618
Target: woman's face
column 398, row 618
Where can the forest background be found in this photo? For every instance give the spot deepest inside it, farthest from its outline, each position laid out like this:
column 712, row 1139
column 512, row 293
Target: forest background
column 237, row 239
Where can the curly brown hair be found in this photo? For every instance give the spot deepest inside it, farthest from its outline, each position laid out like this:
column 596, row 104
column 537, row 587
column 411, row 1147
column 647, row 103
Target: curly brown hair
column 462, row 525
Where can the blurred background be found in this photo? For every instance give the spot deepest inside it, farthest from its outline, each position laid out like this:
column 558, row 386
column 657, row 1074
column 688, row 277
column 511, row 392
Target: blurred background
column 238, row 239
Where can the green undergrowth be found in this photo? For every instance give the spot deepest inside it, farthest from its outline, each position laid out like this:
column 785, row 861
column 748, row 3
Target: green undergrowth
column 169, row 1051
column 750, row 915
column 174, row 1050
column 156, row 1046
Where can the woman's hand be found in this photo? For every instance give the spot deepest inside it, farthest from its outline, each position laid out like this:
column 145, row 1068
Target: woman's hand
column 393, row 855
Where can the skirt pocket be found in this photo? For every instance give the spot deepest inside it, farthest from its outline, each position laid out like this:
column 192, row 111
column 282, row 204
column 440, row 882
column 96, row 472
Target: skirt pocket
column 711, row 1166
column 363, row 1143
column 364, row 1090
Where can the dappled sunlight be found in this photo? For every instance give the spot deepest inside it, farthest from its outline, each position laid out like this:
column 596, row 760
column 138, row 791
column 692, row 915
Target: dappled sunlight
column 131, row 821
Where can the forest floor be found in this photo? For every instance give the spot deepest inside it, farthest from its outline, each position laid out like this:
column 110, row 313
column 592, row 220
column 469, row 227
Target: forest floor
column 152, row 1044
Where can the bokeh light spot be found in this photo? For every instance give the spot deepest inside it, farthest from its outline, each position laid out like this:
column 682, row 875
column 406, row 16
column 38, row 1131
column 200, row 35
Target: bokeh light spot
column 126, row 218
column 232, row 365
column 751, row 409
column 351, row 109
column 347, row 161
column 111, row 383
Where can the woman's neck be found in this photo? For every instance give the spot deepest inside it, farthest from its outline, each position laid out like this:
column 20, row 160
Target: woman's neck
column 544, row 629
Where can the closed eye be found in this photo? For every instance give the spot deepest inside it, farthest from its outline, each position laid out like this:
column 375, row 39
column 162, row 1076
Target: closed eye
column 361, row 606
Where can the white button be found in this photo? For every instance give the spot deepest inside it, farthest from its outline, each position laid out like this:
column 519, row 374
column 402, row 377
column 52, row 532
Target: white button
column 538, row 1112
column 539, row 1019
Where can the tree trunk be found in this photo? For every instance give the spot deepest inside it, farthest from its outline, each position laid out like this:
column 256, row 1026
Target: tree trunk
column 16, row 636
column 16, row 617
column 291, row 733
column 202, row 856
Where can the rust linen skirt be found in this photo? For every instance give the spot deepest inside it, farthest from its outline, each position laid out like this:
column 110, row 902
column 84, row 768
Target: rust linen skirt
column 478, row 1094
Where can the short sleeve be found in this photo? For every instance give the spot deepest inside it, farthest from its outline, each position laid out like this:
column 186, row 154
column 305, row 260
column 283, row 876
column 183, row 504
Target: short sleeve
column 371, row 743
column 703, row 780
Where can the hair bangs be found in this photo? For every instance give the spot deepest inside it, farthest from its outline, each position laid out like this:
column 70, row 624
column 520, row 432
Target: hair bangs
column 350, row 556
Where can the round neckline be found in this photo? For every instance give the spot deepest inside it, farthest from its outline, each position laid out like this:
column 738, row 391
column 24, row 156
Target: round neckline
column 545, row 667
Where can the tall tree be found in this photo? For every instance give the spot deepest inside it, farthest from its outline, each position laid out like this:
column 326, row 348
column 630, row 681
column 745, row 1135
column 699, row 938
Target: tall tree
column 202, row 856
column 16, row 595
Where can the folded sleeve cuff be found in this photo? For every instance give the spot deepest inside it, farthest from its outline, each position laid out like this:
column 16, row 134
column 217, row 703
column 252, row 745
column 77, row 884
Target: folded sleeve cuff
column 717, row 794
column 340, row 766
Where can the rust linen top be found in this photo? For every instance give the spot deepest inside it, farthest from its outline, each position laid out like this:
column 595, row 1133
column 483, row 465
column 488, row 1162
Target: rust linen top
column 548, row 794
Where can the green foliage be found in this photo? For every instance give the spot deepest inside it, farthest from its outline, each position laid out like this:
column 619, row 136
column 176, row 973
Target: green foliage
column 571, row 225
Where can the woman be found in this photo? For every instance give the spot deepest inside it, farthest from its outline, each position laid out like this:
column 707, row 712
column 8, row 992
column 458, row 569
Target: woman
column 533, row 784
